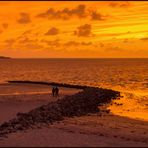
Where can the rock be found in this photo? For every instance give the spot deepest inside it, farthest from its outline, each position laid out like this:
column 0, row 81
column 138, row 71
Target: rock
column 4, row 125
column 108, row 111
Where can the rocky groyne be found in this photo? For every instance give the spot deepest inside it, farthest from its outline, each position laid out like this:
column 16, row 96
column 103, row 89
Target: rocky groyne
column 51, row 84
column 82, row 103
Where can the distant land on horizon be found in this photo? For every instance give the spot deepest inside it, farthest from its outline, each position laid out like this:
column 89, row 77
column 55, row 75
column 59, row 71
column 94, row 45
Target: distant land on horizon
column 3, row 57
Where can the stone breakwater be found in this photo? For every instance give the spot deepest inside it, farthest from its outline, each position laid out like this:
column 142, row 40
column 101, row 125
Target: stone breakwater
column 51, row 84
column 82, row 103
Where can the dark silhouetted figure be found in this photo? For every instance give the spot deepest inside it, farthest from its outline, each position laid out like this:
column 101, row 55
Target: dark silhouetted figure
column 53, row 91
column 56, row 91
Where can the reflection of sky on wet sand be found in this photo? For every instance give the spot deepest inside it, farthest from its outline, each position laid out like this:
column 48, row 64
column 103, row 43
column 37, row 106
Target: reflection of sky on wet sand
column 130, row 105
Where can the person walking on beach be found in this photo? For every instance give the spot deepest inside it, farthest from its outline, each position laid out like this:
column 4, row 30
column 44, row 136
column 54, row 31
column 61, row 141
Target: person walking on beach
column 56, row 91
column 53, row 91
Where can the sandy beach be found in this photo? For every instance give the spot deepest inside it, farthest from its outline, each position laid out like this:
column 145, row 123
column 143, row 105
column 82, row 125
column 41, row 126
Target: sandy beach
column 16, row 98
column 93, row 130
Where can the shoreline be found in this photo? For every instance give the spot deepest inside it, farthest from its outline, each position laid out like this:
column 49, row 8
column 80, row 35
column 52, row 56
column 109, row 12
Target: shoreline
column 79, row 104
column 99, row 128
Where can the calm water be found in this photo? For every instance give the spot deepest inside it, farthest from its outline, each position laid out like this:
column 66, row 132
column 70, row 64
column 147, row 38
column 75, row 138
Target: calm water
column 130, row 76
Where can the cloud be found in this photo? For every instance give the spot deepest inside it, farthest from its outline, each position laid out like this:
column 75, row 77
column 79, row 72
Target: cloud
column 119, row 4
column 117, row 34
column 71, row 43
column 27, row 32
column 34, row 46
column 101, row 44
column 10, row 41
column 144, row 39
column 113, row 49
column 83, row 30
column 86, row 43
column 23, row 43
column 75, row 43
column 26, row 40
column 66, row 13
column 52, row 31
column 24, row 18
column 80, row 12
column 5, row 25
column 125, row 40
column 96, row 16
column 55, row 42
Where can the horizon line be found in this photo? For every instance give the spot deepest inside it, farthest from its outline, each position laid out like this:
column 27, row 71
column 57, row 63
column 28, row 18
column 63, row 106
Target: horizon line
column 78, row 58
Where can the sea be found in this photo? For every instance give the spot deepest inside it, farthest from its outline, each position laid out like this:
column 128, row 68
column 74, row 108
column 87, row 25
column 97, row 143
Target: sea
column 129, row 76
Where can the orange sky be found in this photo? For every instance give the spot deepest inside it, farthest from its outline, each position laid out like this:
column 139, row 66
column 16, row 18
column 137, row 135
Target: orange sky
column 81, row 29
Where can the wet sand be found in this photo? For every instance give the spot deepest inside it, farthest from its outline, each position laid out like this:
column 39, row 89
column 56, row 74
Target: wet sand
column 93, row 130
column 16, row 98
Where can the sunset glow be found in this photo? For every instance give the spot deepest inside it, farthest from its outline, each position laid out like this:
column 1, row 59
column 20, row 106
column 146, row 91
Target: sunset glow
column 74, row 29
